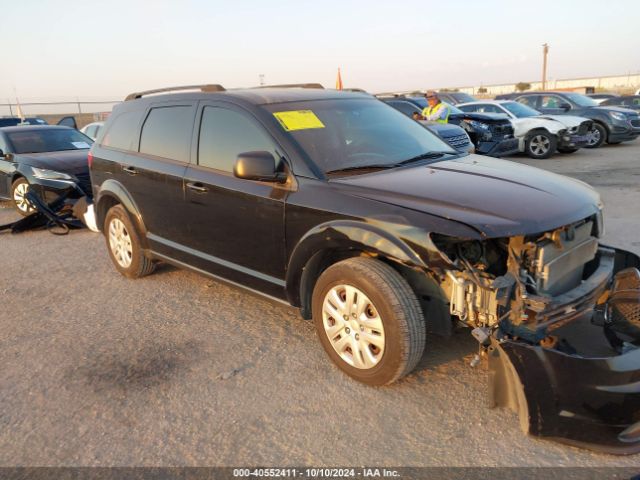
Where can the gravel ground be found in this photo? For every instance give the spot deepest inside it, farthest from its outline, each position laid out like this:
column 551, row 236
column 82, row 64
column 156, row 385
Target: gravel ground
column 176, row 369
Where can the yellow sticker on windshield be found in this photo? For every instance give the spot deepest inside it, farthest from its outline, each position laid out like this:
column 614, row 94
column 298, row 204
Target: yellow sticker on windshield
column 298, row 120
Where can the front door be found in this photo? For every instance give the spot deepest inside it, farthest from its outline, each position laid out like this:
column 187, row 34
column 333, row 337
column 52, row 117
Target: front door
column 235, row 226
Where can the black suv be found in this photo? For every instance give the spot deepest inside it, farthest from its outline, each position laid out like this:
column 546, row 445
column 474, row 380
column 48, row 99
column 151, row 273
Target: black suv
column 374, row 227
column 491, row 133
column 610, row 124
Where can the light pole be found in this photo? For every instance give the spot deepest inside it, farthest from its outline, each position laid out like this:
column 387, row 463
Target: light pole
column 545, row 52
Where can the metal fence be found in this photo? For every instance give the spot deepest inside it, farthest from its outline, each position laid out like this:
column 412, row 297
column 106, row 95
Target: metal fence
column 84, row 112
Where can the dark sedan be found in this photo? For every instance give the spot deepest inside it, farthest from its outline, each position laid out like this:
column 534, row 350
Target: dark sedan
column 50, row 159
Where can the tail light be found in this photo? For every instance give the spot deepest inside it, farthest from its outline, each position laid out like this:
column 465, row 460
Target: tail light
column 90, row 159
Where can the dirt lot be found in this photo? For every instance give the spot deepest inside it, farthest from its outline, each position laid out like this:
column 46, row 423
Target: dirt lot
column 176, row 369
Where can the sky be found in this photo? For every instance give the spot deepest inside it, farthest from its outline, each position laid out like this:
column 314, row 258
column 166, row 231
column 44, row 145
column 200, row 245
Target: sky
column 98, row 50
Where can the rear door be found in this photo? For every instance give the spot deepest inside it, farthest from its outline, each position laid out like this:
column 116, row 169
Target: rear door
column 153, row 171
column 235, row 226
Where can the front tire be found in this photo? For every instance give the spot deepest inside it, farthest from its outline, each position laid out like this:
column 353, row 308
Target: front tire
column 541, row 145
column 368, row 320
column 123, row 244
column 597, row 136
column 19, row 189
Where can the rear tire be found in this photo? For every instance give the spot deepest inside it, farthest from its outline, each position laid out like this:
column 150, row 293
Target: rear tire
column 598, row 136
column 368, row 320
column 540, row 145
column 123, row 244
column 19, row 189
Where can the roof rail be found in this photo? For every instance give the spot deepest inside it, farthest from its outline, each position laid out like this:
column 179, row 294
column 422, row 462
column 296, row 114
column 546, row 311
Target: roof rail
column 203, row 88
column 294, row 85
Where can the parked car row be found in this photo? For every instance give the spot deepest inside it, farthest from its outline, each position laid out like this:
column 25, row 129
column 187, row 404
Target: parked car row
column 490, row 134
column 611, row 124
column 539, row 135
column 554, row 121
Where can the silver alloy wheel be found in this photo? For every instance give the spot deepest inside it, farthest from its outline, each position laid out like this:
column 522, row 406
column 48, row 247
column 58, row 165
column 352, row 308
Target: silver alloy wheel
column 353, row 326
column 539, row 145
column 120, row 243
column 594, row 137
column 19, row 198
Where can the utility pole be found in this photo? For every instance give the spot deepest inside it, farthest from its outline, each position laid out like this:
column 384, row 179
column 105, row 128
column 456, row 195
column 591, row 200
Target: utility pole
column 545, row 52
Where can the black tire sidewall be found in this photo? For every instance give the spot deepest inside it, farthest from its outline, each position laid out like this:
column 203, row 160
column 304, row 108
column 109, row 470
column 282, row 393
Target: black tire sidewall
column 386, row 370
column 133, row 271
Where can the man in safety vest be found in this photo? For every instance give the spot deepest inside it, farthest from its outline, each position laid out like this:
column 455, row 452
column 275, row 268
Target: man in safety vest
column 436, row 111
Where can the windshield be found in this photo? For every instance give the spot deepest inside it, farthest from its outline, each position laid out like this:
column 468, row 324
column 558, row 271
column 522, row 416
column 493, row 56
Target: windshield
column 520, row 110
column 48, row 140
column 342, row 134
column 581, row 100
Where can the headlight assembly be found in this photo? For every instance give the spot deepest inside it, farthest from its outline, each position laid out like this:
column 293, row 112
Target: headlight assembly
column 478, row 125
column 44, row 174
column 618, row 116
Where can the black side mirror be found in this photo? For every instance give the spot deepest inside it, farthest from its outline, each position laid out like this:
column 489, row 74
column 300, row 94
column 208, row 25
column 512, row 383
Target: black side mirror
column 260, row 166
column 1, row 153
column 565, row 106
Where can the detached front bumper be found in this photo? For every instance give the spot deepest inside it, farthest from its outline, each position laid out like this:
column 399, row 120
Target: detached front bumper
column 589, row 399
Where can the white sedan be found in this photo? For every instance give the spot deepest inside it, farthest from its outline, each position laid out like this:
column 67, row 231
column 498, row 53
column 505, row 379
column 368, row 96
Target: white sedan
column 539, row 135
column 92, row 129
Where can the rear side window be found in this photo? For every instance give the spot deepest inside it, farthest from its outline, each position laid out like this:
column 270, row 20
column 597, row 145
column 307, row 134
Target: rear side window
column 167, row 132
column 122, row 130
column 226, row 133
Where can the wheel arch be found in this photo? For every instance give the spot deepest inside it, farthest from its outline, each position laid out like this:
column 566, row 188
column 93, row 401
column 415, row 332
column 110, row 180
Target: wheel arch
column 332, row 242
column 113, row 193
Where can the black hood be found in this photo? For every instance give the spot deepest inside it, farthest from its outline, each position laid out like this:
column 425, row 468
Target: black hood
column 498, row 198
column 67, row 161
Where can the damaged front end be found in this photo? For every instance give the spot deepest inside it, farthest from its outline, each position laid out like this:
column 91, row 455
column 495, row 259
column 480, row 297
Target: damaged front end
column 558, row 317
column 58, row 206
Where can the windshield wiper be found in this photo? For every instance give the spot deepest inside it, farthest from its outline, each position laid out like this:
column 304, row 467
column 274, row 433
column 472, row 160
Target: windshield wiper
column 362, row 167
column 424, row 156
column 382, row 166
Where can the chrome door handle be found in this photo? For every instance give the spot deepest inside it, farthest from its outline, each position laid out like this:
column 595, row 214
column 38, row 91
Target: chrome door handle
column 197, row 187
column 130, row 170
